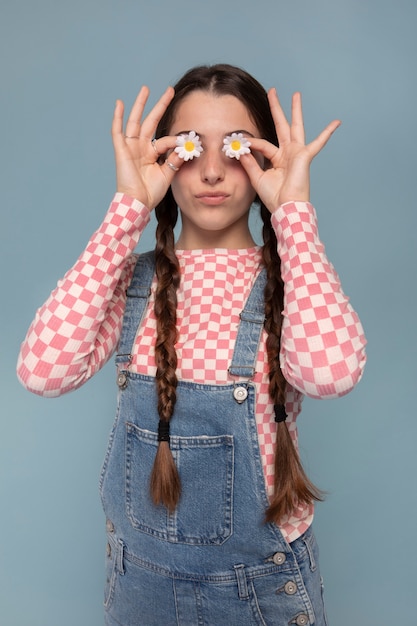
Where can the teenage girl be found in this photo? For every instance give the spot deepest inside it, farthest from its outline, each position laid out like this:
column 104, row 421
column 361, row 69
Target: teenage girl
column 208, row 509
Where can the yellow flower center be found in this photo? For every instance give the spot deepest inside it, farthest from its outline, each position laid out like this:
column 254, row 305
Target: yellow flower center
column 235, row 145
column 189, row 146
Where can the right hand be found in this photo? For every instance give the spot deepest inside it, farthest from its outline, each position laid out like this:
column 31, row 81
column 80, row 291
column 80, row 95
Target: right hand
column 288, row 177
column 138, row 171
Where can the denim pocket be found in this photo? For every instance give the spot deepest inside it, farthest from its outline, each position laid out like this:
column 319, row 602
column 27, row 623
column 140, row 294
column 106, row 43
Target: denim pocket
column 205, row 464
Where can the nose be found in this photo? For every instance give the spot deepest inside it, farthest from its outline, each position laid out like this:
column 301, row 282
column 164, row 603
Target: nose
column 212, row 165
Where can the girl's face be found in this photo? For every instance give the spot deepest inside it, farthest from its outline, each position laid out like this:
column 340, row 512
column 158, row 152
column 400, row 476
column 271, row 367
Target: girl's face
column 213, row 191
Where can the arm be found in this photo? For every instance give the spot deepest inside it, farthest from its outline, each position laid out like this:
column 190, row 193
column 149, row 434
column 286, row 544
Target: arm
column 322, row 343
column 77, row 329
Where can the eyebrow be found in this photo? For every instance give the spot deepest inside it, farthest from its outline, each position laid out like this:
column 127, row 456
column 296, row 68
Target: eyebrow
column 202, row 136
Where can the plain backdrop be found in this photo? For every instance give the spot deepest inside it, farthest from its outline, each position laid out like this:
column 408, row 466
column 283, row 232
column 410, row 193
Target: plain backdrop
column 63, row 64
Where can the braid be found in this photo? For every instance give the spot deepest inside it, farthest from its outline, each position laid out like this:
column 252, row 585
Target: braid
column 165, row 481
column 274, row 303
column 291, row 487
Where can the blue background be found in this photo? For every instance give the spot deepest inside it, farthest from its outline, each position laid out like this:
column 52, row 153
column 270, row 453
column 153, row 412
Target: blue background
column 63, row 64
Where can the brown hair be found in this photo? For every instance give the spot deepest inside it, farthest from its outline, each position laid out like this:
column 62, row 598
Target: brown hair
column 292, row 487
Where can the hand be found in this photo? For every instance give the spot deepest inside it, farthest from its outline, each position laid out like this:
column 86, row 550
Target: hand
column 138, row 171
column 288, row 178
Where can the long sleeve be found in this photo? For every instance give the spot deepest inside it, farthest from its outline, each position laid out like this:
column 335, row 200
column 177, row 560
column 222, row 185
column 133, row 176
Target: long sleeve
column 323, row 343
column 77, row 329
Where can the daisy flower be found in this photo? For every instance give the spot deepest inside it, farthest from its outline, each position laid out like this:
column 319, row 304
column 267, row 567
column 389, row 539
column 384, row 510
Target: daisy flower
column 235, row 145
column 188, row 146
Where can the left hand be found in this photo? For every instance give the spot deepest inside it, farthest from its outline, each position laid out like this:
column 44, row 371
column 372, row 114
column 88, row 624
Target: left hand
column 288, row 177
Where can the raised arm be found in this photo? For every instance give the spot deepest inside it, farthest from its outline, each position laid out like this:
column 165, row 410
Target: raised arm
column 77, row 329
column 322, row 343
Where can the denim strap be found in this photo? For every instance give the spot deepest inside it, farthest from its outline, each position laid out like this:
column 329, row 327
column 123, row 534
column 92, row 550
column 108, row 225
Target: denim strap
column 252, row 320
column 137, row 294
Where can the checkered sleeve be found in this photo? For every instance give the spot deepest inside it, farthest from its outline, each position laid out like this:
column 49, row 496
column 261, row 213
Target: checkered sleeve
column 323, row 343
column 77, row 329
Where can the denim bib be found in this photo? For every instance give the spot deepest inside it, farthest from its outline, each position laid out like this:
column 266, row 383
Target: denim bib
column 214, row 560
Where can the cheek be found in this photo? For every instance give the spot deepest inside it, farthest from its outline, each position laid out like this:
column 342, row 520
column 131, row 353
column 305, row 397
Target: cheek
column 240, row 176
column 182, row 180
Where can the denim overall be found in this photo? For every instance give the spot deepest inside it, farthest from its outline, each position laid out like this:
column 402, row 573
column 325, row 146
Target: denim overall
column 213, row 562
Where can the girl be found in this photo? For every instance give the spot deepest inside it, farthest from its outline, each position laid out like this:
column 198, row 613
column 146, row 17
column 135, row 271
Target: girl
column 208, row 509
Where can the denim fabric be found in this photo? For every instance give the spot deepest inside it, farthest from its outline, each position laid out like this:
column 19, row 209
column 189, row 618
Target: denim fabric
column 213, row 561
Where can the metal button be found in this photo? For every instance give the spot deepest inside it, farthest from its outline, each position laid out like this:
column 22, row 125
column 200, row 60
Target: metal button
column 122, row 380
column 290, row 588
column 279, row 558
column 240, row 394
column 108, row 550
column 109, row 526
column 302, row 620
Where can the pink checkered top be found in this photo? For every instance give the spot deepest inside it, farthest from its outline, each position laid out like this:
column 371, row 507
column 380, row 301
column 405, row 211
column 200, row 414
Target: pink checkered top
column 322, row 347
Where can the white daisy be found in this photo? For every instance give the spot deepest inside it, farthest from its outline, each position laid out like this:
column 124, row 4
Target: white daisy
column 188, row 146
column 235, row 145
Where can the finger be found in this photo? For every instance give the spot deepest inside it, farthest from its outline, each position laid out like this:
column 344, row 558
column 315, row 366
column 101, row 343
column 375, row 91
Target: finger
column 264, row 148
column 117, row 123
column 278, row 115
column 172, row 164
column 162, row 145
column 252, row 168
column 152, row 119
column 135, row 117
column 297, row 122
column 320, row 141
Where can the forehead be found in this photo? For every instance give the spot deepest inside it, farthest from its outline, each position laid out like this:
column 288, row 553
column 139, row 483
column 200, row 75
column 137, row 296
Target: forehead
column 209, row 113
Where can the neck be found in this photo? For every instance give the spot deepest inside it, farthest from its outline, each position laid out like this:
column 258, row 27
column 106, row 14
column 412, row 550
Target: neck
column 214, row 240
column 234, row 238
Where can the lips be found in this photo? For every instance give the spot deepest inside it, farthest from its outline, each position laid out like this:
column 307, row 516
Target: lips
column 212, row 197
